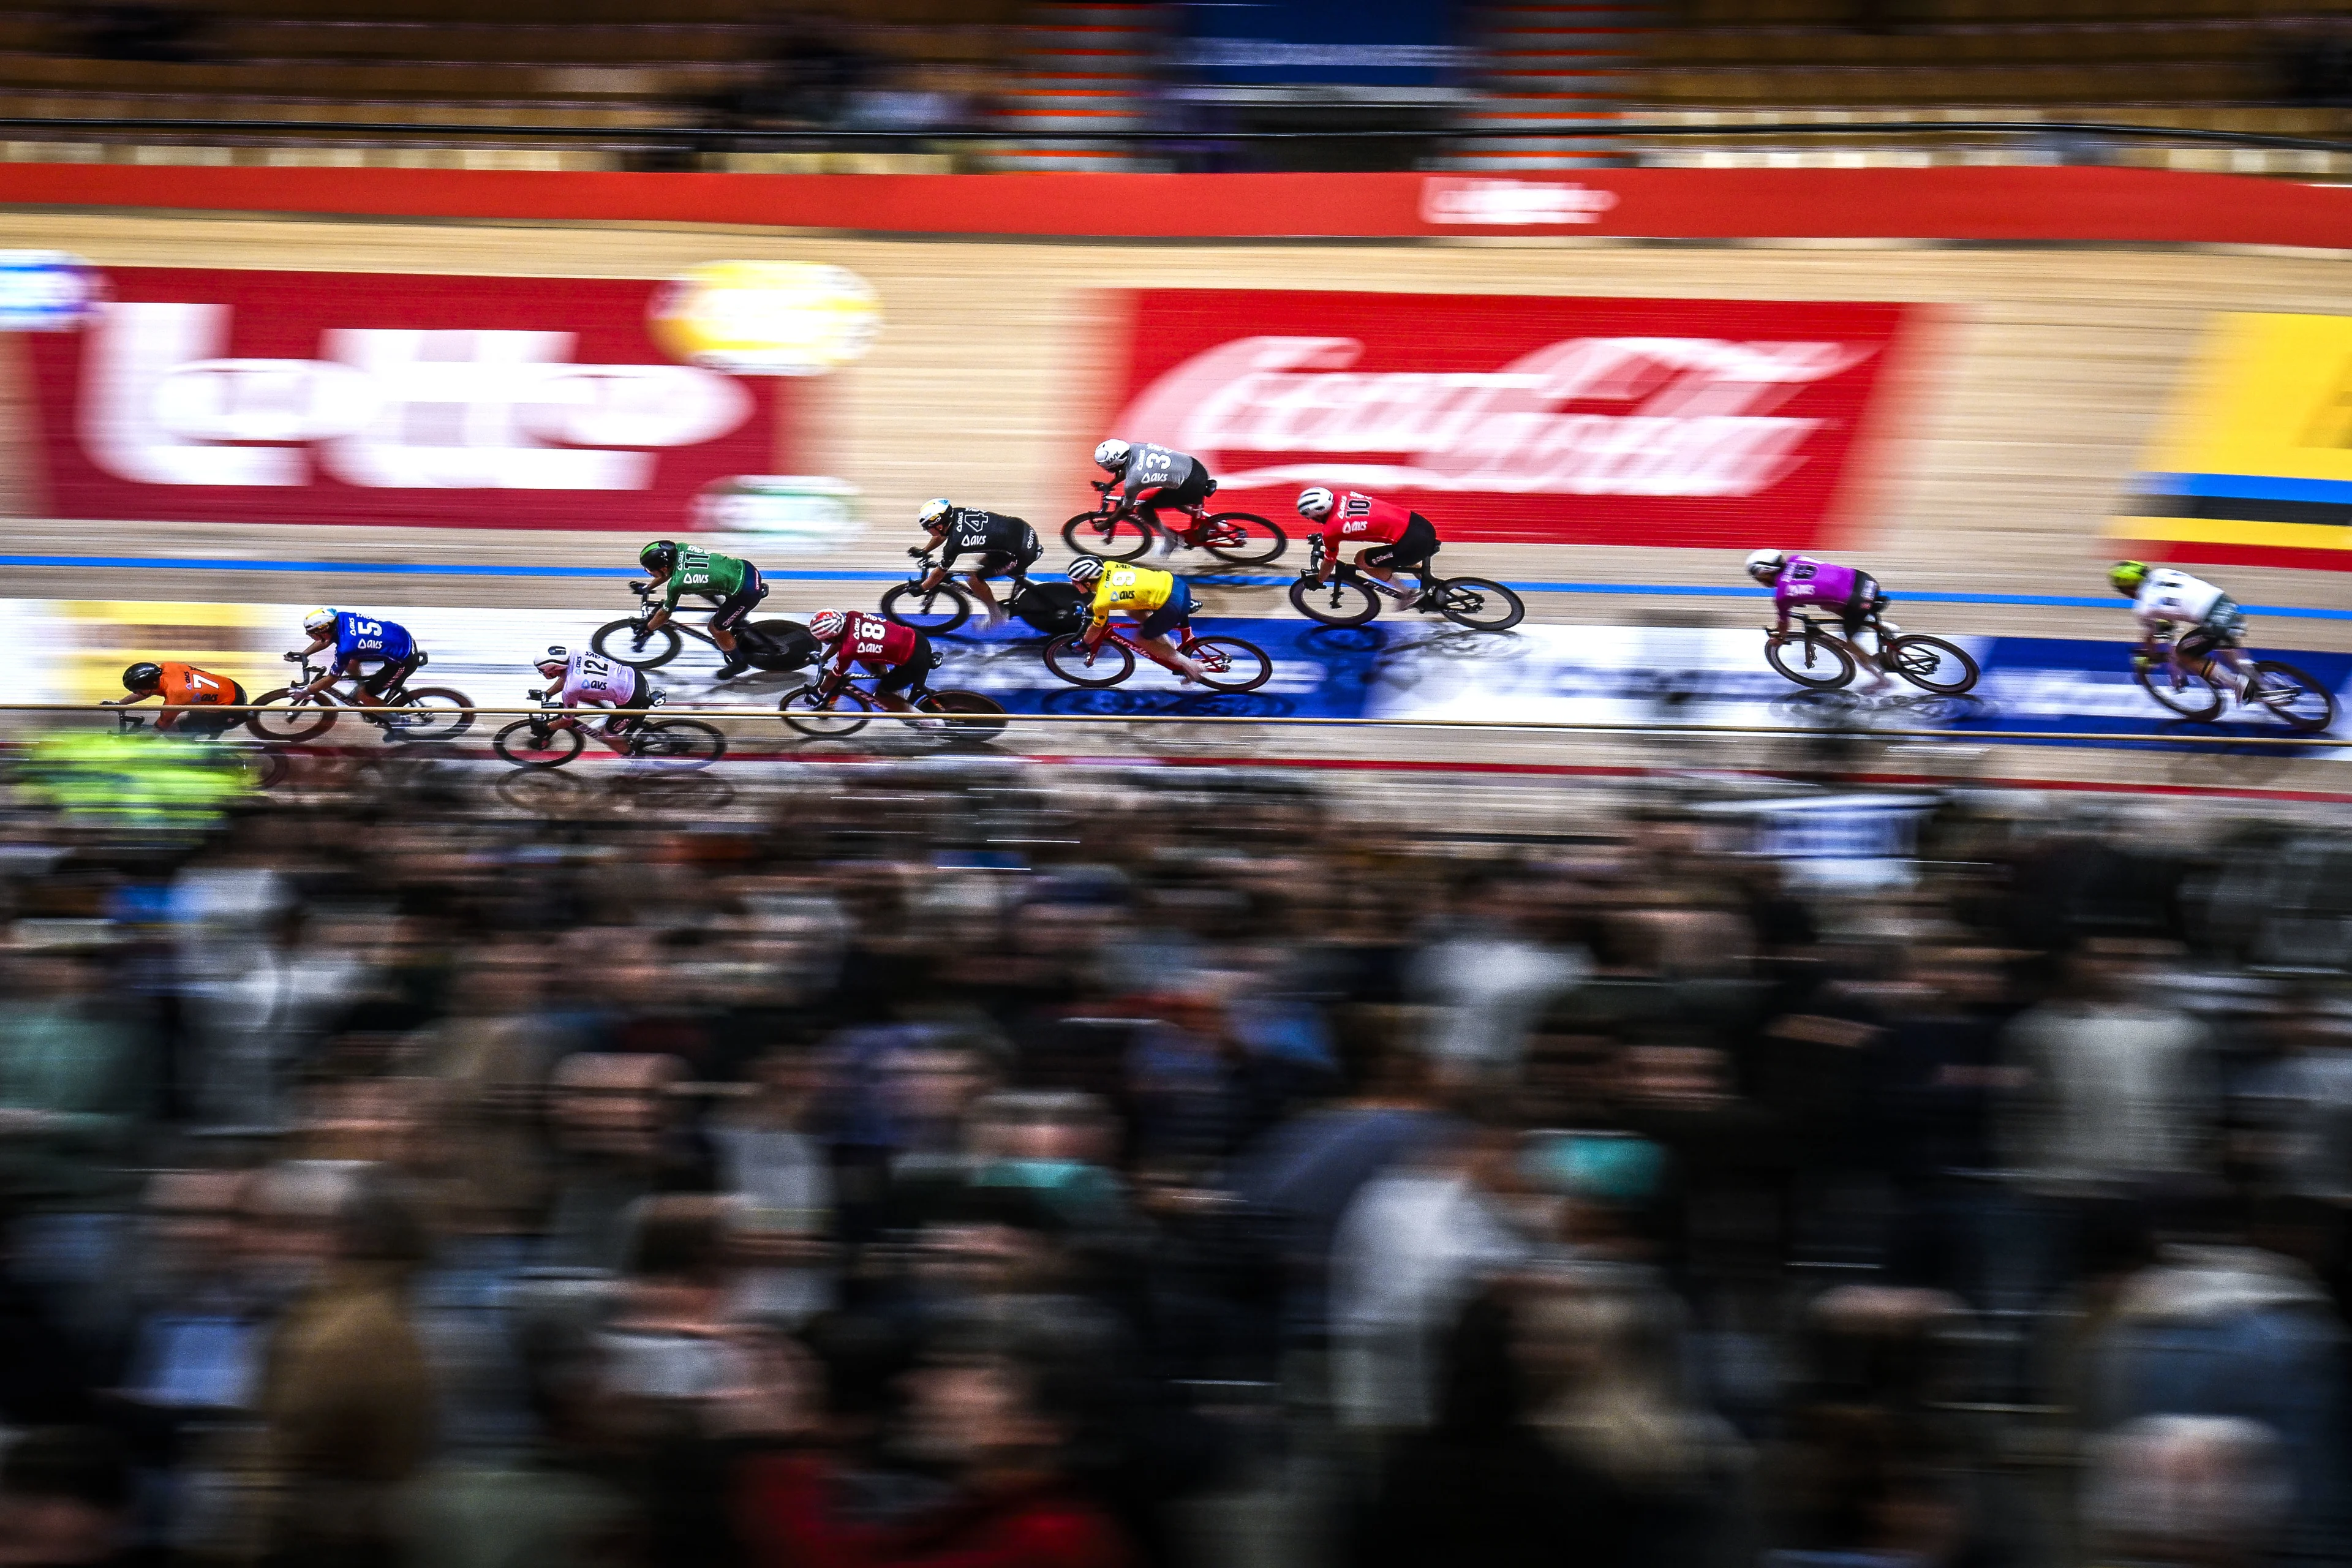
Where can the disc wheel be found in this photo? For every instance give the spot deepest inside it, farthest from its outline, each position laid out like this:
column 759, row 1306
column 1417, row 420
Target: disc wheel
column 1480, row 604
column 451, row 715
column 530, row 743
column 1809, row 662
column 1229, row 664
column 1931, row 664
column 1338, row 603
column 2188, row 693
column 977, row 719
column 680, row 744
column 277, row 716
column 845, row 715
column 943, row 609
column 1120, row 538
column 619, row 641
column 2310, row 708
column 1067, row 657
column 1243, row 538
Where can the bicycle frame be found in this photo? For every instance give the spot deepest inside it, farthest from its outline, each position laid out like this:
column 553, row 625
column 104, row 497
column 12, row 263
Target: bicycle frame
column 1345, row 571
column 623, row 744
column 332, row 692
column 1111, row 509
column 1813, row 628
column 649, row 601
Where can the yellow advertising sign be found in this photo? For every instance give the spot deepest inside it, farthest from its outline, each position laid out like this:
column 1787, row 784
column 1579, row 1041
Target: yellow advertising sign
column 99, row 636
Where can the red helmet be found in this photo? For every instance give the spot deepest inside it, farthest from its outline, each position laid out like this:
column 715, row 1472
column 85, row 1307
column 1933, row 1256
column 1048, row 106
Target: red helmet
column 827, row 626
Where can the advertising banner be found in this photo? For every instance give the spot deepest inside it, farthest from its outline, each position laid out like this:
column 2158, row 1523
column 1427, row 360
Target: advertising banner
column 337, row 397
column 1702, row 424
column 2252, row 466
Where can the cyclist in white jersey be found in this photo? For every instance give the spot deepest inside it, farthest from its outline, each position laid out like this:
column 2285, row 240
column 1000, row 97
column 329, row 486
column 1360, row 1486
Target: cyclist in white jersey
column 591, row 680
column 2206, row 622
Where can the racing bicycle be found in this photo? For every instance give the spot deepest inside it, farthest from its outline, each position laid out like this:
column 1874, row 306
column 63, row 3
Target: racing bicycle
column 940, row 609
column 551, row 739
column 1117, row 531
column 1817, row 659
column 2195, row 687
column 1353, row 595
column 283, row 715
column 832, row 707
column 772, row 646
column 1227, row 664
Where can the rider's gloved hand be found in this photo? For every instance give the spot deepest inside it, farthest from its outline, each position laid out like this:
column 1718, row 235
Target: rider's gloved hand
column 2141, row 660
column 291, row 658
column 916, row 554
column 639, row 587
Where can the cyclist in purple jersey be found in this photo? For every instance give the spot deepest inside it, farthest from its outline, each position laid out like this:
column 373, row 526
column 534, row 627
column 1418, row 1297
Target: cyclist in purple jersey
column 1802, row 582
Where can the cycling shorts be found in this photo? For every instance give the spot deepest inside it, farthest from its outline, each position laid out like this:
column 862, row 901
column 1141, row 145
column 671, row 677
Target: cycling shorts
column 2224, row 625
column 737, row 605
column 907, row 675
column 1413, row 547
column 1191, row 492
column 1171, row 614
column 1862, row 606
column 210, row 726
column 388, row 673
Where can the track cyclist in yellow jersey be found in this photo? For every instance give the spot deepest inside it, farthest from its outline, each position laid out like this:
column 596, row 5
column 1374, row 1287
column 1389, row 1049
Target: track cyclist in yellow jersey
column 1158, row 603
column 733, row 584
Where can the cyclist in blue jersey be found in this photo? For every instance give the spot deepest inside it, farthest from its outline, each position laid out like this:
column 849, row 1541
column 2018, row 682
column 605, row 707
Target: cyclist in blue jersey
column 360, row 640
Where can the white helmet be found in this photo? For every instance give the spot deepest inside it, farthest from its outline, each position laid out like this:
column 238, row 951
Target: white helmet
column 934, row 512
column 554, row 661
column 827, row 625
column 1084, row 571
column 1765, row 566
column 1316, row 502
column 1112, row 455
column 317, row 620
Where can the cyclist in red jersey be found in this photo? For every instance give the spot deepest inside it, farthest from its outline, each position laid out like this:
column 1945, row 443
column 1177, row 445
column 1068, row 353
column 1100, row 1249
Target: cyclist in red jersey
column 902, row 654
column 1401, row 540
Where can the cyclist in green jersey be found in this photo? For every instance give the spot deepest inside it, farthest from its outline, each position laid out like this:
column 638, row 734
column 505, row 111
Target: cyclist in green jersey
column 734, row 584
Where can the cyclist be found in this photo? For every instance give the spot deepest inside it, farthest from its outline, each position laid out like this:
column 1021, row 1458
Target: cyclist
column 183, row 686
column 999, row 545
column 1157, row 601
column 361, row 640
column 1401, row 540
column 901, row 655
column 733, row 584
column 1805, row 582
column 1155, row 476
column 590, row 680
column 2211, row 625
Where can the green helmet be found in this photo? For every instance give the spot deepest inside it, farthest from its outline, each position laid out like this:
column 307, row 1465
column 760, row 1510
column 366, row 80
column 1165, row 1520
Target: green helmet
column 2126, row 576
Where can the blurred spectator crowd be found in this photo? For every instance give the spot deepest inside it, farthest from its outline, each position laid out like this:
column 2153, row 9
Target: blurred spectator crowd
column 974, row 1165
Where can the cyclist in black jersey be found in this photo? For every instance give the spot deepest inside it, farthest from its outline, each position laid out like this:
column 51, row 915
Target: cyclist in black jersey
column 989, row 542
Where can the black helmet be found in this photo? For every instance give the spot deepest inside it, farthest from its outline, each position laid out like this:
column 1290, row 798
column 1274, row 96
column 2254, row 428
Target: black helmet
column 661, row 555
column 143, row 677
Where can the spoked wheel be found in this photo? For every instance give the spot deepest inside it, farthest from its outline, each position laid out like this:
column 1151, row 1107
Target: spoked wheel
column 1480, row 603
column 620, row 641
column 2294, row 698
column 1120, row 538
column 985, row 720
column 845, row 715
column 1229, row 664
column 541, row 793
column 1809, row 662
column 1113, row 662
column 531, row 743
column 680, row 744
column 1243, row 538
column 1337, row 603
column 451, row 715
column 277, row 716
column 2188, row 693
column 943, row 609
column 1931, row 664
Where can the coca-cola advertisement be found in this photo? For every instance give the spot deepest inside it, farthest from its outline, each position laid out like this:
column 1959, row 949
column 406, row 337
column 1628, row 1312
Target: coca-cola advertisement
column 1534, row 418
column 261, row 396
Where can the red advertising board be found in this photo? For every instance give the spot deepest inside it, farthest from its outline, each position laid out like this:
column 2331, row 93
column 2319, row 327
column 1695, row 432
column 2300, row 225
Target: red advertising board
column 340, row 397
column 1542, row 419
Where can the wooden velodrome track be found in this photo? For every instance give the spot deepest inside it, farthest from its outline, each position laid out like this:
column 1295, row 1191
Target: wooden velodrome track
column 2025, row 411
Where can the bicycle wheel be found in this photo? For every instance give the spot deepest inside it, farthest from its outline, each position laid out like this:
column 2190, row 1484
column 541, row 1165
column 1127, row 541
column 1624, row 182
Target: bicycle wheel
column 2188, row 693
column 289, row 720
column 1066, row 656
column 541, row 793
column 1337, row 603
column 263, row 768
column 1243, row 538
column 844, row 715
column 1229, row 664
column 1818, row 665
column 1480, row 603
column 620, row 642
column 452, row 714
column 2306, row 706
column 528, row 743
column 987, row 715
column 943, row 609
column 678, row 743
column 676, row 792
column 1931, row 664
column 1118, row 537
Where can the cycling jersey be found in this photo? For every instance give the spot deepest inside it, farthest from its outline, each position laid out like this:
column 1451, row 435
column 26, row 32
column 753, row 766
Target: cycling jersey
column 1160, row 468
column 1360, row 520
column 1132, row 591
column 1814, row 584
column 873, row 642
column 2175, row 597
column 361, row 637
column 185, row 684
column 591, row 680
column 970, row 531
column 704, row 573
